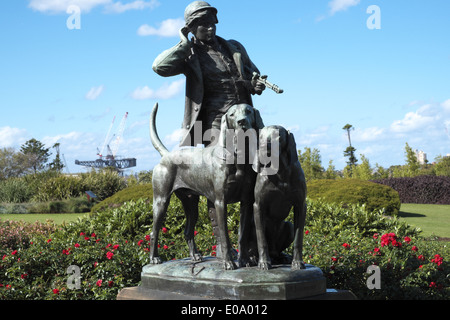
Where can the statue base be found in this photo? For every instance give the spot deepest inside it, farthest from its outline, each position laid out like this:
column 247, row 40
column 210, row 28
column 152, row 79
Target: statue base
column 206, row 280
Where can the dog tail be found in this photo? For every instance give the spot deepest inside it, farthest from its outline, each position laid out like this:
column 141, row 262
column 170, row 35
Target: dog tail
column 156, row 141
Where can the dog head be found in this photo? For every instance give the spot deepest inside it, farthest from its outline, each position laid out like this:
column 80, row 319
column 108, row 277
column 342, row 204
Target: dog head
column 238, row 119
column 243, row 116
column 276, row 146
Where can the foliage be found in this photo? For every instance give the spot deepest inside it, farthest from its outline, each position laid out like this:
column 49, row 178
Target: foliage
column 110, row 248
column 103, row 183
column 36, row 153
column 442, row 167
column 141, row 191
column 14, row 190
column 420, row 189
column 311, row 163
column 352, row 191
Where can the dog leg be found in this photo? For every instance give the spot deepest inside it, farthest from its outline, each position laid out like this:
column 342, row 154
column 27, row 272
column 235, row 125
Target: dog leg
column 214, row 225
column 190, row 206
column 226, row 256
column 299, row 225
column 264, row 262
column 160, row 205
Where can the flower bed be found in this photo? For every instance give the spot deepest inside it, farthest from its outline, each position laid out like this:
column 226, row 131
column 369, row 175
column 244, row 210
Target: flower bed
column 99, row 255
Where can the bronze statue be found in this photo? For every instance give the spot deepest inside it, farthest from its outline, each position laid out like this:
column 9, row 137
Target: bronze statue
column 220, row 82
column 210, row 172
column 219, row 74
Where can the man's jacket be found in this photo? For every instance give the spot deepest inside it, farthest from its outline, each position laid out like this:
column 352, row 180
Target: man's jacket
column 182, row 59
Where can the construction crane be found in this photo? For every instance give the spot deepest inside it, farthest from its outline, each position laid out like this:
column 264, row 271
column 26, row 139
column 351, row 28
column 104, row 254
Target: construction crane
column 111, row 159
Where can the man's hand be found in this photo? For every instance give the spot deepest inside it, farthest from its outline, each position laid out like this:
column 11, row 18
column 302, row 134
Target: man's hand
column 184, row 34
column 258, row 87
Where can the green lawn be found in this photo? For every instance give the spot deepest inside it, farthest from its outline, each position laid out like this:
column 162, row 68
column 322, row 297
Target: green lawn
column 33, row 217
column 432, row 219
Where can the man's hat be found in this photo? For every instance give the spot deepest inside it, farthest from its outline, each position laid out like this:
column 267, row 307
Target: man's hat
column 196, row 10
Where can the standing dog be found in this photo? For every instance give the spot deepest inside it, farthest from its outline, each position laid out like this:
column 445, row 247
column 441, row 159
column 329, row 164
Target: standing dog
column 211, row 172
column 276, row 193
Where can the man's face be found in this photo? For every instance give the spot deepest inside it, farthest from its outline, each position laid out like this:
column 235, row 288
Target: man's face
column 205, row 28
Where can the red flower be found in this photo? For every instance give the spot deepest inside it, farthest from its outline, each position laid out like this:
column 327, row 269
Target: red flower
column 14, row 252
column 421, row 257
column 76, row 245
column 195, row 233
column 164, row 230
column 86, row 238
column 414, row 248
column 93, row 235
column 82, row 233
column 23, row 275
column 375, row 236
column 306, row 231
column 109, row 255
column 115, row 247
column 334, row 259
column 140, row 242
column 48, row 241
column 55, row 291
column 432, row 284
column 147, row 237
column 407, row 239
column 437, row 259
column 99, row 282
column 346, row 245
column 165, row 247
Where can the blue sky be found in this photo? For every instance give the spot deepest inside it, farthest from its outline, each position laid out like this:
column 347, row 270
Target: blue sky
column 392, row 84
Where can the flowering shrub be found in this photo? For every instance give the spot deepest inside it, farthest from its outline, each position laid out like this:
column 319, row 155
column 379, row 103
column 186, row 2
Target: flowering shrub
column 109, row 248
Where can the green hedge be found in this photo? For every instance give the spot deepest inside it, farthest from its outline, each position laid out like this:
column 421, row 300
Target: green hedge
column 352, row 191
column 140, row 191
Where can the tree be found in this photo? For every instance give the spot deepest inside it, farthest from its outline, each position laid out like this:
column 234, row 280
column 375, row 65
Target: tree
column 442, row 167
column 350, row 151
column 12, row 163
column 412, row 164
column 311, row 163
column 330, row 173
column 37, row 155
column 363, row 171
column 56, row 164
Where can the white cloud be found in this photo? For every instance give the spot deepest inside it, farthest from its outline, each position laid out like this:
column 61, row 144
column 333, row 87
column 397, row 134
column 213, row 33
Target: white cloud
column 12, row 137
column 60, row 6
column 367, row 134
column 167, row 28
column 414, row 121
column 119, row 7
column 341, row 5
column 167, row 91
column 94, row 93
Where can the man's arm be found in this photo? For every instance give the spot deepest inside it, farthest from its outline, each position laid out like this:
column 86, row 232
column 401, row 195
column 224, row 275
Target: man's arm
column 172, row 62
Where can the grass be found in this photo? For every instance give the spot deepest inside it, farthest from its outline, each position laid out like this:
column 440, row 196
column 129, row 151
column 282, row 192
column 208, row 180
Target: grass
column 57, row 218
column 434, row 220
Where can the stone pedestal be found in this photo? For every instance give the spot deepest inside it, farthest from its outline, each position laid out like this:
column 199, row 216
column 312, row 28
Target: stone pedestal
column 188, row 280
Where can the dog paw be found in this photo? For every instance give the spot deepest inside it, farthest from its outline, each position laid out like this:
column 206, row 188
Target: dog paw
column 229, row 265
column 197, row 257
column 298, row 265
column 155, row 260
column 264, row 265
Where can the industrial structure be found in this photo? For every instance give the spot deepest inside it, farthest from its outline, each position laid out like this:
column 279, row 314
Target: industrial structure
column 111, row 159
